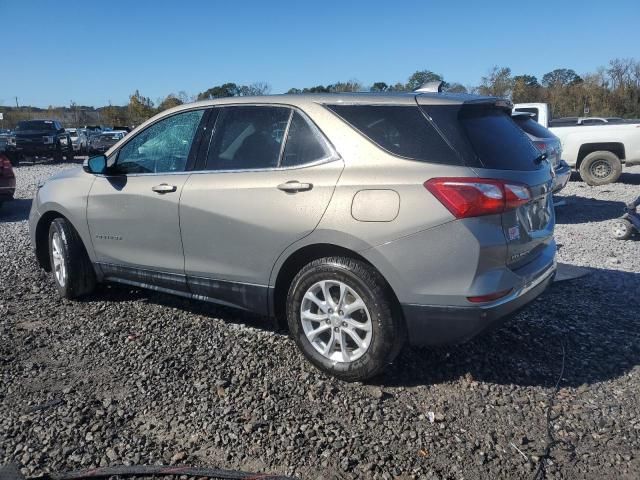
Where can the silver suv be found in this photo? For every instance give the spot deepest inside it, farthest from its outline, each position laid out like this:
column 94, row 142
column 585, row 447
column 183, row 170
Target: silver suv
column 366, row 220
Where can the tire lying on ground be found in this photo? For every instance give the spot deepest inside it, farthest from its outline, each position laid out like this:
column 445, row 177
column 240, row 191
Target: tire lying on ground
column 600, row 168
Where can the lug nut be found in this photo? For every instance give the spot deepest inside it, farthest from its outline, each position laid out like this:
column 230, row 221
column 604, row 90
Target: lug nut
column 341, row 312
column 344, row 324
column 331, row 310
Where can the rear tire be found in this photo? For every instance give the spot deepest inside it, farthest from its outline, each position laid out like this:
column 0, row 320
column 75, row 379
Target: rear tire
column 352, row 335
column 600, row 168
column 72, row 270
column 622, row 229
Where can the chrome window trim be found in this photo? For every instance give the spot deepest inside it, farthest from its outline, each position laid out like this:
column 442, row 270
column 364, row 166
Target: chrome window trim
column 332, row 157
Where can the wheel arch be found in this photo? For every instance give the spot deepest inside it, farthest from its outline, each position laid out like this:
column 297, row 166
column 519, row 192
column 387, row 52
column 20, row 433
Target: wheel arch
column 304, row 255
column 42, row 237
column 616, row 148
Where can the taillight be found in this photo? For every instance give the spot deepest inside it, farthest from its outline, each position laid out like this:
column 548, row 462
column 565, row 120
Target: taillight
column 473, row 197
column 6, row 169
column 542, row 146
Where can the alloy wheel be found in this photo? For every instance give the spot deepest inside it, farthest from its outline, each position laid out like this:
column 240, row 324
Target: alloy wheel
column 336, row 321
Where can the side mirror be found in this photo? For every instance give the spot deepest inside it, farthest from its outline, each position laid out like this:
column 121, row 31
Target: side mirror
column 95, row 165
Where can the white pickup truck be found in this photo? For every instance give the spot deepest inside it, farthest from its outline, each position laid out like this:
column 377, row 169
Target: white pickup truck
column 597, row 151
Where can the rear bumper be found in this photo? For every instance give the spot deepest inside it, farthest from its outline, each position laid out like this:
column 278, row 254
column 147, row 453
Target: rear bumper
column 563, row 173
column 445, row 325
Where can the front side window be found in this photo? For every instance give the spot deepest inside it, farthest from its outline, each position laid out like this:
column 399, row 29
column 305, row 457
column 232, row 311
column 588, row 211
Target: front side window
column 248, row 137
column 162, row 147
column 304, row 143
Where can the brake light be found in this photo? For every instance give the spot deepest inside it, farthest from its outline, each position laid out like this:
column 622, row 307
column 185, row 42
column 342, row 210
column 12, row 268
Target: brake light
column 468, row 197
column 541, row 146
column 6, row 169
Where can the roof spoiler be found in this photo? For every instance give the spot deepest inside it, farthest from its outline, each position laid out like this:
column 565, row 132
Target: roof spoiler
column 430, row 87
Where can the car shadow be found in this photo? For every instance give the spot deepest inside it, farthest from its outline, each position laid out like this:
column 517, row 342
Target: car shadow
column 16, row 210
column 592, row 319
column 596, row 210
column 592, row 322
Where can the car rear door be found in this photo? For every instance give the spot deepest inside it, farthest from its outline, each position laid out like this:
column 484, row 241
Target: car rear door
column 132, row 210
column 267, row 177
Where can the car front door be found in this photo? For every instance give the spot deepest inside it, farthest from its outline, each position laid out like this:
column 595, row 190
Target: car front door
column 132, row 210
column 268, row 178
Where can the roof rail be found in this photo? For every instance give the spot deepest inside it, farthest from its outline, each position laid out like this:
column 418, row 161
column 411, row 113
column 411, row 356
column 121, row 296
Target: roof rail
column 433, row 87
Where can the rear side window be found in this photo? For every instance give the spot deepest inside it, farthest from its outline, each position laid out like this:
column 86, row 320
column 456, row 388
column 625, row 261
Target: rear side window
column 304, row 143
column 248, row 138
column 401, row 130
column 497, row 141
column 529, row 125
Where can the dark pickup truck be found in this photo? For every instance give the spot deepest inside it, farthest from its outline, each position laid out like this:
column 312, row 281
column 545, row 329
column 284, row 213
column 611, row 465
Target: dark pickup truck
column 39, row 138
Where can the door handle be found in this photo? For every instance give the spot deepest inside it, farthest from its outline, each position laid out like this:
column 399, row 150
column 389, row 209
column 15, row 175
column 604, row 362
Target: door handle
column 164, row 188
column 294, row 186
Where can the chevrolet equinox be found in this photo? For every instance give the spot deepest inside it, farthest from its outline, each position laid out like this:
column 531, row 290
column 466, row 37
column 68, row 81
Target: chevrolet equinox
column 366, row 220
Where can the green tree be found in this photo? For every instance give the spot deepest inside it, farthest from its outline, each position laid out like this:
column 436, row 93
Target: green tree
column 457, row 88
column 526, row 89
column 140, row 108
column 421, row 77
column 379, row 87
column 348, row 86
column 169, row 101
column 560, row 77
column 220, row 91
column 497, row 83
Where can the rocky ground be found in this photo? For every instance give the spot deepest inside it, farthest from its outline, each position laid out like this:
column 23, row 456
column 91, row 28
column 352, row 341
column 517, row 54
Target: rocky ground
column 135, row 377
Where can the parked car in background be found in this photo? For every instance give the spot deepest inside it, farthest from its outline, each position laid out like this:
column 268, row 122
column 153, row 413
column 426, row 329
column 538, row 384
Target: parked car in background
column 4, row 139
column 597, row 151
column 373, row 220
column 7, row 180
column 79, row 140
column 105, row 140
column 547, row 143
column 39, row 138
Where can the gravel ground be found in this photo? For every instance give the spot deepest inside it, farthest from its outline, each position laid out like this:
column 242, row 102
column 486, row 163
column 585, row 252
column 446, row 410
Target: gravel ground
column 135, row 377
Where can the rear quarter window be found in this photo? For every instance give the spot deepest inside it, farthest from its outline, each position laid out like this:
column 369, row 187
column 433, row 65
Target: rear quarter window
column 401, row 130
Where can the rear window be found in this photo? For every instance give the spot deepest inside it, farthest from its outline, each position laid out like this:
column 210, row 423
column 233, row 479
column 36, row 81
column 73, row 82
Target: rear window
column 529, row 125
column 497, row 141
column 401, row 130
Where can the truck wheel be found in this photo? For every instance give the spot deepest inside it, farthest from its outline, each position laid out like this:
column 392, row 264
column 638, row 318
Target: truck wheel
column 340, row 315
column 600, row 168
column 72, row 270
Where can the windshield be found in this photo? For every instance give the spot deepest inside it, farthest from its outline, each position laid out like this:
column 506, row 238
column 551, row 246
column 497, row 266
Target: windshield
column 35, row 125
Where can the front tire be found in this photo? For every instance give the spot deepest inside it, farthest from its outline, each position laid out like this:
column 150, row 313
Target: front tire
column 72, row 270
column 621, row 229
column 600, row 168
column 339, row 312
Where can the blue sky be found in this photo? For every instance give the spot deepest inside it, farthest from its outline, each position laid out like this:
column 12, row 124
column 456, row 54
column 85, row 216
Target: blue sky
column 99, row 52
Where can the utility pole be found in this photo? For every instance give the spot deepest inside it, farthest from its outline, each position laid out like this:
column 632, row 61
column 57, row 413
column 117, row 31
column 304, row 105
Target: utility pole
column 17, row 106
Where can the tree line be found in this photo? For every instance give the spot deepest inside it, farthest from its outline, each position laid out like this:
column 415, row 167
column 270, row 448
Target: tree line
column 612, row 90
